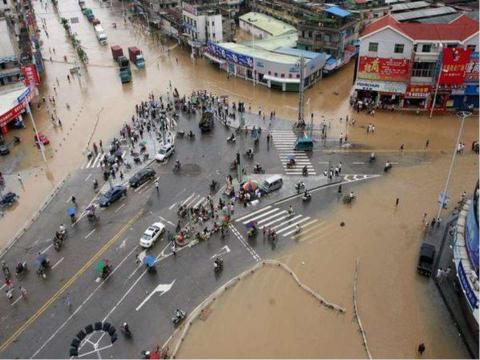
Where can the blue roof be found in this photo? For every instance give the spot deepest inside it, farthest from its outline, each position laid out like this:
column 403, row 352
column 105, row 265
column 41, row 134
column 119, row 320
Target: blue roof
column 335, row 10
column 299, row 52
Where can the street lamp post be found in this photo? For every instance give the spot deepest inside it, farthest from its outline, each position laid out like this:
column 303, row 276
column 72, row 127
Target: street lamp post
column 40, row 144
column 443, row 196
column 438, row 83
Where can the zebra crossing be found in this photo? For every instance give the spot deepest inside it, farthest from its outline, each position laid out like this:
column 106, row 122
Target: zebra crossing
column 283, row 223
column 96, row 161
column 284, row 141
column 194, row 200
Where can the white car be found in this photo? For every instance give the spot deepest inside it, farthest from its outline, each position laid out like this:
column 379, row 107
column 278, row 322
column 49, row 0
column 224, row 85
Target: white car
column 165, row 152
column 151, row 234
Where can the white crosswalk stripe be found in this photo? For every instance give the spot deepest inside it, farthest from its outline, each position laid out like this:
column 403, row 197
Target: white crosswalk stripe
column 277, row 219
column 96, row 161
column 284, row 141
column 312, row 231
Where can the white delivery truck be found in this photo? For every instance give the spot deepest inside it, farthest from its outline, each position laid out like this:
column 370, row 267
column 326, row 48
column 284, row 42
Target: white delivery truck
column 101, row 35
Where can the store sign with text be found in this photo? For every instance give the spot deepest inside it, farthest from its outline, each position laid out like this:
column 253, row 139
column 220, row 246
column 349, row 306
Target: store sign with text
column 472, row 71
column 454, row 66
column 229, row 55
column 418, row 91
column 381, row 86
column 30, row 75
column 383, row 69
column 16, row 110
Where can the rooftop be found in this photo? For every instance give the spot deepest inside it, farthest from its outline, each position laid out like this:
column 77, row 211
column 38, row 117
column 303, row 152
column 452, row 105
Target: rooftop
column 268, row 24
column 460, row 29
column 424, row 13
column 6, row 47
column 410, row 6
column 337, row 11
column 287, row 40
column 259, row 53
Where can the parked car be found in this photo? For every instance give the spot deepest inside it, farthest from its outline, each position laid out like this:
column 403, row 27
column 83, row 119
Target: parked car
column 151, row 235
column 165, row 152
column 112, row 195
column 426, row 259
column 44, row 140
column 141, row 176
column 4, row 150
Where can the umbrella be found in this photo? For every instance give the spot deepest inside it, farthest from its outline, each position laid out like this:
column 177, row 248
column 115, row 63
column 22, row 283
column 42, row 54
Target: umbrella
column 119, row 152
column 250, row 186
column 39, row 260
column 101, row 265
column 149, row 260
column 71, row 211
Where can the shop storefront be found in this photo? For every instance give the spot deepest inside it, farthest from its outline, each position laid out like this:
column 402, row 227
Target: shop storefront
column 382, row 93
column 416, row 96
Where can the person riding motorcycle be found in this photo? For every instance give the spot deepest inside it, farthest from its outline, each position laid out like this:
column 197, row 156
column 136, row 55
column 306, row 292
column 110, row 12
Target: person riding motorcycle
column 5, row 270
column 306, row 194
column 298, row 229
column 258, row 168
column 372, row 157
column 177, row 164
column 191, row 134
column 249, row 153
column 290, row 211
column 62, row 229
column 218, row 264
column 19, row 268
column 95, row 184
column 231, row 138
column 299, row 186
column 126, row 329
column 305, row 170
column 351, row 196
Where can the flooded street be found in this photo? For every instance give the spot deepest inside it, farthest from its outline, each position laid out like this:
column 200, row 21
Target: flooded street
column 267, row 315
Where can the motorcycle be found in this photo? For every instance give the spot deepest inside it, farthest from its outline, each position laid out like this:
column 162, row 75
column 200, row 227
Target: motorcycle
column 8, row 199
column 231, row 139
column 43, row 264
column 306, row 197
column 387, row 167
column 258, row 170
column 300, row 186
column 372, row 158
column 305, row 171
column 57, row 241
column 348, row 199
column 249, row 154
column 177, row 166
column 191, row 135
column 178, row 317
column 213, row 185
column 21, row 269
column 218, row 265
column 126, row 330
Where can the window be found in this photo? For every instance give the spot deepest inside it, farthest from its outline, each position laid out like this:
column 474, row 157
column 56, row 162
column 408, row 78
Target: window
column 471, row 47
column 452, row 45
column 423, row 69
column 290, row 76
column 276, row 74
column 213, row 23
column 426, row 48
column 373, row 46
column 298, row 76
column 415, row 47
column 398, row 48
column 269, row 72
column 282, row 75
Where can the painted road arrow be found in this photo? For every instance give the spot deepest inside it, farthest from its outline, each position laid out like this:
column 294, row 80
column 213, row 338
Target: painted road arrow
column 161, row 288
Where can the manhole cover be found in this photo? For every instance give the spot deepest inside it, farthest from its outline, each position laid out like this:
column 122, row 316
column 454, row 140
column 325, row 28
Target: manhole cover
column 190, row 169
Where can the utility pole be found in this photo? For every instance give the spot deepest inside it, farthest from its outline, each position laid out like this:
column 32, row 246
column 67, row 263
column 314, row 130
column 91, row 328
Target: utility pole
column 301, row 118
column 443, row 196
column 40, row 144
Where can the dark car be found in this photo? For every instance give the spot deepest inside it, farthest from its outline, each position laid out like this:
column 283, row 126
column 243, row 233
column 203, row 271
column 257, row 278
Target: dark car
column 112, row 195
column 4, row 150
column 17, row 124
column 8, row 199
column 141, row 177
column 426, row 259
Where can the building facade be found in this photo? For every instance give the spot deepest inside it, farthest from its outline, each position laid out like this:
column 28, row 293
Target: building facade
column 416, row 66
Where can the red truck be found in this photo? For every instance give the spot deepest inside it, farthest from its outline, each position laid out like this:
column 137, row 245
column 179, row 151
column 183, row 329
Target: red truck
column 117, row 51
column 136, row 56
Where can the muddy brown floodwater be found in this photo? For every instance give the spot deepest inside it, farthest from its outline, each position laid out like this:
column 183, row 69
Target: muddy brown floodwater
column 267, row 315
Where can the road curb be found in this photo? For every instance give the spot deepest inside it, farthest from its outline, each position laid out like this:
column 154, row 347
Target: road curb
column 35, row 216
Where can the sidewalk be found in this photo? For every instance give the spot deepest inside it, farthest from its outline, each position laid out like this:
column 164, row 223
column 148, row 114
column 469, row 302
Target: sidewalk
column 448, row 288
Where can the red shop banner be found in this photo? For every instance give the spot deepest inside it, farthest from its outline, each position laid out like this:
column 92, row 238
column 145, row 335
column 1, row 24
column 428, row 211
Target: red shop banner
column 383, row 69
column 418, row 91
column 454, row 66
column 31, row 75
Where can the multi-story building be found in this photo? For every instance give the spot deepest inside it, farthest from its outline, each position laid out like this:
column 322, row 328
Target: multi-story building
column 9, row 64
column 416, row 65
column 206, row 22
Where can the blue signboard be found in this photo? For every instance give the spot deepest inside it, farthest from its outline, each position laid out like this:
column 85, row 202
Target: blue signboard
column 229, row 55
column 469, row 293
column 471, row 237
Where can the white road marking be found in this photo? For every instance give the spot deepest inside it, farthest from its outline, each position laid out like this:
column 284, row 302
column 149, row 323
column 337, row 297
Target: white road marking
column 161, row 288
column 97, row 350
column 141, row 186
column 57, row 263
column 46, row 249
column 55, row 333
column 358, row 163
column 294, row 224
column 224, row 250
column 88, row 177
column 252, row 251
column 90, row 233
column 271, row 217
column 118, row 209
column 187, row 199
column 96, row 160
column 13, row 303
column 304, row 230
column 260, row 216
column 324, row 162
column 275, row 221
column 319, row 230
column 199, row 202
column 172, row 206
column 253, row 213
column 167, row 221
column 190, row 203
column 289, row 221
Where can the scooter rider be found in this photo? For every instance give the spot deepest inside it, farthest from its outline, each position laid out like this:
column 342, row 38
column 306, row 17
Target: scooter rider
column 126, row 329
column 351, row 195
column 19, row 268
column 290, row 210
column 177, row 164
column 95, row 184
column 306, row 194
column 372, row 157
column 305, row 170
column 5, row 270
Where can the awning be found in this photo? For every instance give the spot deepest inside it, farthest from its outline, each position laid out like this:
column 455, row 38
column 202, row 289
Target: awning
column 213, row 58
column 282, row 80
column 12, row 103
column 337, row 11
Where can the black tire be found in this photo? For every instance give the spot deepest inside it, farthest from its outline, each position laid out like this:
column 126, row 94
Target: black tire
column 108, row 203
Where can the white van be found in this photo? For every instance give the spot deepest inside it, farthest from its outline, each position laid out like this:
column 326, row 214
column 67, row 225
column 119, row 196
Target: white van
column 101, row 35
column 272, row 183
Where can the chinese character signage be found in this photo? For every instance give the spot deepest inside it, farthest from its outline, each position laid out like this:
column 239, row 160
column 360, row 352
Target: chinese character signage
column 454, row 66
column 471, row 73
column 469, row 293
column 229, row 55
column 383, row 69
column 31, row 75
column 418, row 91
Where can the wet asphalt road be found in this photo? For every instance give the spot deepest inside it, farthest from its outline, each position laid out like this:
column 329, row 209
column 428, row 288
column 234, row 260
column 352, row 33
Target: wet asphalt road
column 45, row 324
